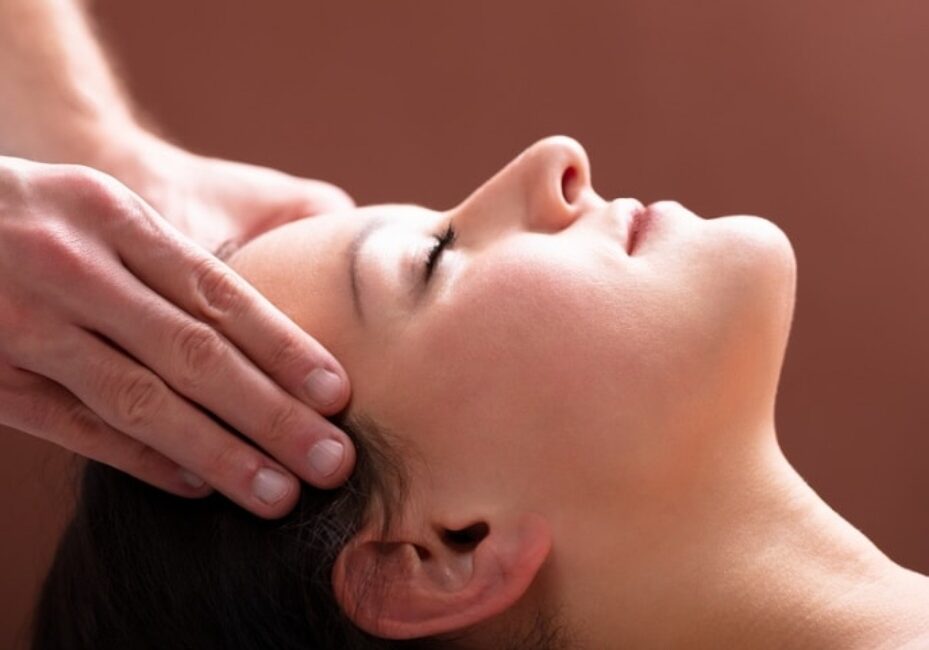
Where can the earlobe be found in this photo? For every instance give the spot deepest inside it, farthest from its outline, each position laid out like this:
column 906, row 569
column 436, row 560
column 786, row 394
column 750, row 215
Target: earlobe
column 406, row 588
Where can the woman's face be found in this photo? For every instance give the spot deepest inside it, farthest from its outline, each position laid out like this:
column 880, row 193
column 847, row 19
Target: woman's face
column 540, row 360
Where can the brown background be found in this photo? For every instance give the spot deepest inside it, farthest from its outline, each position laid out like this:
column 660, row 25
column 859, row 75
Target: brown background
column 813, row 114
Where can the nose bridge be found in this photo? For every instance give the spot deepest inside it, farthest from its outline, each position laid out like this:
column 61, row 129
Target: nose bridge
column 545, row 188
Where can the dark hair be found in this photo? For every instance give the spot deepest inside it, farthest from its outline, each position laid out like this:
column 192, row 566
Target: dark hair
column 139, row 568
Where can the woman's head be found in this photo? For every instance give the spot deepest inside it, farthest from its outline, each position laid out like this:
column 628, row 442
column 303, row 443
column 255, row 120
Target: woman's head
column 540, row 367
column 554, row 400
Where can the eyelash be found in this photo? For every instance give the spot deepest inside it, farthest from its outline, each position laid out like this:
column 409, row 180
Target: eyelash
column 447, row 238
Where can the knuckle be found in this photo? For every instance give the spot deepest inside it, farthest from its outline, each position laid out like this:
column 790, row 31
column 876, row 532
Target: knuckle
column 281, row 425
column 84, row 429
column 34, row 414
column 90, row 186
column 41, row 240
column 286, row 353
column 199, row 350
column 216, row 290
column 41, row 245
column 144, row 461
column 227, row 463
column 60, row 258
column 45, row 255
column 138, row 399
column 102, row 199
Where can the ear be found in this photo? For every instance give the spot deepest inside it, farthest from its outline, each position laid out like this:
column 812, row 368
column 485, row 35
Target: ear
column 437, row 581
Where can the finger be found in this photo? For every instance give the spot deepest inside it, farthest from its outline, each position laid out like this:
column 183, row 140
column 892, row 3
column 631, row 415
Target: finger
column 292, row 198
column 42, row 408
column 185, row 275
column 131, row 399
column 200, row 364
column 312, row 197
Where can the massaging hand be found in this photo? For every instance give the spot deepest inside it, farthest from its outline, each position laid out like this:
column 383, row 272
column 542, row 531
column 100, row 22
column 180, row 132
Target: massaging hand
column 119, row 336
column 215, row 201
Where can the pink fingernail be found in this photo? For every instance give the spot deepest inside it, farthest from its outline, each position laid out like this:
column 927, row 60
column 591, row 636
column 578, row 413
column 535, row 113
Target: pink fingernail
column 323, row 386
column 326, row 457
column 270, row 486
column 192, row 479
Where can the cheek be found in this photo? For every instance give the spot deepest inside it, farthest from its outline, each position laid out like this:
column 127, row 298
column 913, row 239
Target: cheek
column 513, row 328
column 526, row 345
column 531, row 366
column 577, row 364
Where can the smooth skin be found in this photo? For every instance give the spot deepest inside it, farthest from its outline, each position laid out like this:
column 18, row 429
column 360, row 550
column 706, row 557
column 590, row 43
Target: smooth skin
column 122, row 338
column 605, row 421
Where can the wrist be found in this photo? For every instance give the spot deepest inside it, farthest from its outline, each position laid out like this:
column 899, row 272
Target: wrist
column 49, row 135
column 137, row 158
column 117, row 150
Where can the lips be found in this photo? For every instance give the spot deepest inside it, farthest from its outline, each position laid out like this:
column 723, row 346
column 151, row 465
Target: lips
column 625, row 222
column 635, row 228
column 634, row 214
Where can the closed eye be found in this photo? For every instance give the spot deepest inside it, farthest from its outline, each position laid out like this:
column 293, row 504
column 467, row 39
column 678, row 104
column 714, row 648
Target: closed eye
column 447, row 238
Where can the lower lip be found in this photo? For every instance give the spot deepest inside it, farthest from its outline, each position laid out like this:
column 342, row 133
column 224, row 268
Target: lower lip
column 641, row 225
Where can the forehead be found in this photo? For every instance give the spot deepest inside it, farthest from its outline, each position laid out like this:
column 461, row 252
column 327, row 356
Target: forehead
column 320, row 233
column 303, row 269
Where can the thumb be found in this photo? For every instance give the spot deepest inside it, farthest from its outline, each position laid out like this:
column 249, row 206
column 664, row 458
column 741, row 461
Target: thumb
column 273, row 198
column 308, row 198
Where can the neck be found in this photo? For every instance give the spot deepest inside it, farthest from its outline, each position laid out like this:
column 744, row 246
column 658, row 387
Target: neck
column 746, row 555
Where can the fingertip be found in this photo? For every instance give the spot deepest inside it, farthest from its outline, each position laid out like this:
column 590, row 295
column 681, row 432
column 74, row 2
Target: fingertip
column 200, row 493
column 192, row 486
column 331, row 461
column 191, row 480
column 274, row 493
column 327, row 390
column 348, row 466
column 322, row 197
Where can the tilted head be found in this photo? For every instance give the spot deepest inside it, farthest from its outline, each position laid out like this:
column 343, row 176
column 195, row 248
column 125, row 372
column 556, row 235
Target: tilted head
column 548, row 385
column 558, row 382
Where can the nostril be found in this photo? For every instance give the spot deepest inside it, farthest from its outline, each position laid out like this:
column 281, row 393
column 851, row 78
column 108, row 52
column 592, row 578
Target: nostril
column 570, row 185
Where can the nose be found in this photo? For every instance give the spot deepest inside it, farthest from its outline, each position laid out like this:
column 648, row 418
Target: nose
column 545, row 189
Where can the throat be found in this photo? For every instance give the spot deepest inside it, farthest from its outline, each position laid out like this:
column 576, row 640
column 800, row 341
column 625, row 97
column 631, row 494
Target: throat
column 757, row 560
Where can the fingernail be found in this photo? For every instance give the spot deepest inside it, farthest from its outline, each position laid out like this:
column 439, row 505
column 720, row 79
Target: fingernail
column 270, row 486
column 192, row 479
column 323, row 386
column 326, row 457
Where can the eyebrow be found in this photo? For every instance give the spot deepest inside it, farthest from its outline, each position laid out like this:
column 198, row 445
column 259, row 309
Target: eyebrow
column 354, row 246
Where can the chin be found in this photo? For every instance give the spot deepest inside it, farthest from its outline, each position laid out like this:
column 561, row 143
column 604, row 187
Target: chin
column 751, row 290
column 762, row 254
column 755, row 267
